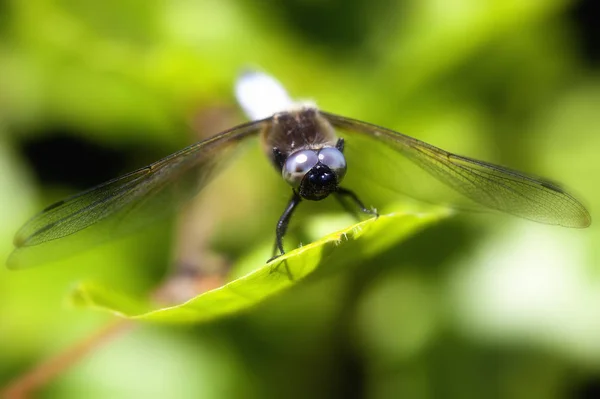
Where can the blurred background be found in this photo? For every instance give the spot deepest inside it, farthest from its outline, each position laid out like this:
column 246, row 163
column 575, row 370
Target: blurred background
column 477, row 305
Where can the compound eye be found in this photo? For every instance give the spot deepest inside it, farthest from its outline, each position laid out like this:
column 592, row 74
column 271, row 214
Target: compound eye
column 335, row 160
column 298, row 165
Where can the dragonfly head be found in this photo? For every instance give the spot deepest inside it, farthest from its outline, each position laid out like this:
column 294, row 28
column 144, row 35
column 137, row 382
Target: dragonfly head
column 315, row 173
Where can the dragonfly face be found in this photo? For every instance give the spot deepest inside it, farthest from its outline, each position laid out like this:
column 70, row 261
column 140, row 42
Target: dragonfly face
column 302, row 144
column 315, row 173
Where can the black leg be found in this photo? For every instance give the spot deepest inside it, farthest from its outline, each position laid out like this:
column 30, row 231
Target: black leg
column 340, row 145
column 282, row 224
column 350, row 209
column 342, row 192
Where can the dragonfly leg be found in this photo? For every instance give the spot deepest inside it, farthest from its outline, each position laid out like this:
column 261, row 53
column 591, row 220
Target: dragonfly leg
column 282, row 225
column 342, row 193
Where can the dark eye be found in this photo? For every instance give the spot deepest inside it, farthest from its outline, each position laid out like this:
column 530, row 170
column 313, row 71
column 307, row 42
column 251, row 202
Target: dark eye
column 335, row 160
column 298, row 165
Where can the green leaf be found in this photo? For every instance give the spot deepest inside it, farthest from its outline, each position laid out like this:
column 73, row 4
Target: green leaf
column 334, row 252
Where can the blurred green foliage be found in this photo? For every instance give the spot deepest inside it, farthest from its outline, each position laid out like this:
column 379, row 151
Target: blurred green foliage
column 478, row 306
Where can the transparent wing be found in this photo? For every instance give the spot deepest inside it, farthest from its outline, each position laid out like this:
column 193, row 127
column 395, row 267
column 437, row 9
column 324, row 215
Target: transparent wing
column 493, row 186
column 126, row 203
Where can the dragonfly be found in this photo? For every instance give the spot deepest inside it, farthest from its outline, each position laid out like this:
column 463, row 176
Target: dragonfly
column 302, row 144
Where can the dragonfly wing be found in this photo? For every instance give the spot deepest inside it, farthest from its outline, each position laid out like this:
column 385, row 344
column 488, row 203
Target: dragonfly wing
column 126, row 203
column 493, row 186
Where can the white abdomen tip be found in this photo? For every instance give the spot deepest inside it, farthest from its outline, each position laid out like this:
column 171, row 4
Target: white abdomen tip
column 261, row 95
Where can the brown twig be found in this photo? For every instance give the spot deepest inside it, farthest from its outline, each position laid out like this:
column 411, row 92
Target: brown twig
column 24, row 385
column 197, row 270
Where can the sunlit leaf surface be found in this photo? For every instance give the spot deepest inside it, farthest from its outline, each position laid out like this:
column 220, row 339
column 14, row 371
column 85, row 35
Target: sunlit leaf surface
column 335, row 252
